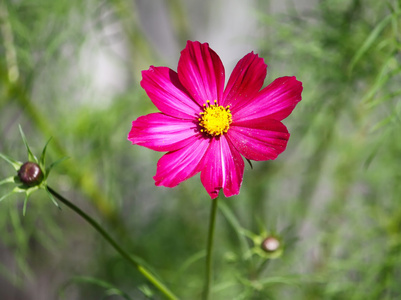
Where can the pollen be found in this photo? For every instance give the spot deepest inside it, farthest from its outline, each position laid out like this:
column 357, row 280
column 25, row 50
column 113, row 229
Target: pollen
column 215, row 119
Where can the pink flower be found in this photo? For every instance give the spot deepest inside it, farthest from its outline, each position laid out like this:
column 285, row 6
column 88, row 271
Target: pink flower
column 206, row 128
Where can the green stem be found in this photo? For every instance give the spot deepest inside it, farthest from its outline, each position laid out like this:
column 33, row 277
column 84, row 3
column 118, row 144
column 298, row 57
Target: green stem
column 160, row 286
column 208, row 278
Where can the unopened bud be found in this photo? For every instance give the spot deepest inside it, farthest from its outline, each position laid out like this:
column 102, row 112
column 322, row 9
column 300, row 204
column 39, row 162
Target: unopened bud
column 270, row 244
column 30, row 174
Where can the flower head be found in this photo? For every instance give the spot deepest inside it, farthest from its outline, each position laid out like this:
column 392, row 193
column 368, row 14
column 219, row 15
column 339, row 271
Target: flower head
column 206, row 128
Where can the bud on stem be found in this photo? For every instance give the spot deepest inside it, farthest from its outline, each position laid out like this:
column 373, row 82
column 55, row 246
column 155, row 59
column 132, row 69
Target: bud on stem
column 30, row 174
column 270, row 244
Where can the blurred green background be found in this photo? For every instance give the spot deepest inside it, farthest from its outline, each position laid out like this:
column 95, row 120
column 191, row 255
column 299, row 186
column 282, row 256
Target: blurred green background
column 70, row 70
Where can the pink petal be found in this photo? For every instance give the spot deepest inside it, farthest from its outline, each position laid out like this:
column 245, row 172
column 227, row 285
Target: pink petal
column 167, row 93
column 201, row 72
column 276, row 101
column 161, row 133
column 259, row 139
column 245, row 81
column 177, row 166
column 223, row 168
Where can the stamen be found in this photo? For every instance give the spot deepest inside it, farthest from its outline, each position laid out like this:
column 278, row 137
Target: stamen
column 215, row 119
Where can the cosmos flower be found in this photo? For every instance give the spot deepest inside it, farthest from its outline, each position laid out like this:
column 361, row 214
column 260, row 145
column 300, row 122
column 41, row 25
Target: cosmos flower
column 206, row 128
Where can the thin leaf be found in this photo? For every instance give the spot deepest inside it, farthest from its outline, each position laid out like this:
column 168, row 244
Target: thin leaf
column 369, row 41
column 31, row 157
column 6, row 195
column 376, row 102
column 384, row 75
column 8, row 180
column 52, row 198
column 190, row 261
column 289, row 280
column 146, row 291
column 42, row 157
column 384, row 122
column 230, row 217
column 16, row 164
column 54, row 164
column 25, row 202
column 14, row 191
column 110, row 288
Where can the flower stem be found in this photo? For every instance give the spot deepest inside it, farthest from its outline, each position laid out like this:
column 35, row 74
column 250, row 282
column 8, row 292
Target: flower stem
column 208, row 278
column 160, row 286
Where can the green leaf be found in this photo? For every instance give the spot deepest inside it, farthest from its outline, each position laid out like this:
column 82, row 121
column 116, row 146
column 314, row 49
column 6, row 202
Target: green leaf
column 6, row 195
column 43, row 156
column 233, row 221
column 369, row 41
column 14, row 191
column 146, row 291
column 379, row 100
column 31, row 157
column 387, row 71
column 110, row 288
column 16, row 164
column 10, row 179
column 290, row 280
column 54, row 164
column 25, row 202
column 52, row 198
column 190, row 261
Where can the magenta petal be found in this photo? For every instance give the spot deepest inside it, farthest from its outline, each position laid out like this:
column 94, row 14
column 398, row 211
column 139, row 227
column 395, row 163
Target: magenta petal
column 177, row 166
column 259, row 139
column 276, row 101
column 166, row 92
column 245, row 81
column 201, row 72
column 161, row 133
column 223, row 168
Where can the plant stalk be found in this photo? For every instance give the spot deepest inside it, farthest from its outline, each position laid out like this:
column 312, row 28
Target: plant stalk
column 157, row 284
column 209, row 250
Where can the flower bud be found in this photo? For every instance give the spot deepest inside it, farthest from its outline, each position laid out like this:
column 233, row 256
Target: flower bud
column 30, row 174
column 270, row 244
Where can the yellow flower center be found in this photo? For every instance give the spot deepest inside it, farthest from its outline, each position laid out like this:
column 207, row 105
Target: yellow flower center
column 215, row 119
